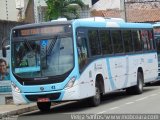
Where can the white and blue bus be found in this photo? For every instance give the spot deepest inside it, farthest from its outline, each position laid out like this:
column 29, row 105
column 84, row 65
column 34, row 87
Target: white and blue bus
column 79, row 59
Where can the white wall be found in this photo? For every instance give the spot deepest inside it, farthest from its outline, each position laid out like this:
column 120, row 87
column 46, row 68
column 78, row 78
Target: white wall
column 87, row 2
column 9, row 7
column 106, row 4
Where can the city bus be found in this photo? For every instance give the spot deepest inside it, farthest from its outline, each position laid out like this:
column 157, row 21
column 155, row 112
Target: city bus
column 80, row 59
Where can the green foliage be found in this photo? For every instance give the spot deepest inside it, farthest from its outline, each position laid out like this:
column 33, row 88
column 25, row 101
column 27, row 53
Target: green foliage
column 63, row 8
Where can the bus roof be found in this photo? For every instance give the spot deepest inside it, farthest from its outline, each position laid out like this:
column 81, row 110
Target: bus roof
column 42, row 24
column 156, row 24
column 91, row 22
column 110, row 22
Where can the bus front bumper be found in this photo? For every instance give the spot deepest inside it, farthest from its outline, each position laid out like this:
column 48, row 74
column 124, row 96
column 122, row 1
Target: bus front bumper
column 61, row 95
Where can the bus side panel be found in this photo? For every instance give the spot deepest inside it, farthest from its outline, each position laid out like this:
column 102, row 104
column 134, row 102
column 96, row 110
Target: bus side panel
column 134, row 62
column 151, row 67
column 117, row 72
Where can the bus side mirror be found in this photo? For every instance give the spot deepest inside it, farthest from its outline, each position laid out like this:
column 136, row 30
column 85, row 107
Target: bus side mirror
column 4, row 50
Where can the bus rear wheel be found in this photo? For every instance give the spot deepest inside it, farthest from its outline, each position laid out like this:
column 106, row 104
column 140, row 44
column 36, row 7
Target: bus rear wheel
column 137, row 89
column 44, row 106
column 139, row 86
column 96, row 100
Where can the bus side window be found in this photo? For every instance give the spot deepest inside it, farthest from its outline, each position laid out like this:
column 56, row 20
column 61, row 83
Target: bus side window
column 94, row 42
column 151, row 41
column 144, row 36
column 82, row 50
column 127, row 40
column 137, row 40
column 117, row 41
column 106, row 41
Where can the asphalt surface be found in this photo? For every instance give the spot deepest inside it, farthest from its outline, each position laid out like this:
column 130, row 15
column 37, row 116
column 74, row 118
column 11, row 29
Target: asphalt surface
column 114, row 103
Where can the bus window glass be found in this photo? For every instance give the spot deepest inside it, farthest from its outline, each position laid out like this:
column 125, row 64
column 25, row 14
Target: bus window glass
column 94, row 42
column 144, row 36
column 127, row 40
column 82, row 48
column 151, row 40
column 117, row 41
column 148, row 40
column 106, row 41
column 137, row 40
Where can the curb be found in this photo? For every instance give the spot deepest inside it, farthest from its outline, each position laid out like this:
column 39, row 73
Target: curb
column 18, row 111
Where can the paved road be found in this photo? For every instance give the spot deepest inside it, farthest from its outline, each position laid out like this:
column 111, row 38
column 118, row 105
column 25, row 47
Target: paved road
column 118, row 102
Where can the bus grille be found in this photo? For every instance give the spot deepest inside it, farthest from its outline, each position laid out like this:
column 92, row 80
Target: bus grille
column 34, row 98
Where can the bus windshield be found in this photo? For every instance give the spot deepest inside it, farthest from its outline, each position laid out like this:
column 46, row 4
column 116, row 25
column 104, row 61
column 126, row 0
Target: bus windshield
column 42, row 57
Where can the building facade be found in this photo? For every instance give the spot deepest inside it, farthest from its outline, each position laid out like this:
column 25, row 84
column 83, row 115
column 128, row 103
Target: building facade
column 129, row 10
column 8, row 10
column 13, row 10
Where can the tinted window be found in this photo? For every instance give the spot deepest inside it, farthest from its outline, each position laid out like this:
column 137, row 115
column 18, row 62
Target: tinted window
column 137, row 40
column 151, row 40
column 82, row 48
column 117, row 41
column 127, row 40
column 106, row 42
column 144, row 36
column 94, row 42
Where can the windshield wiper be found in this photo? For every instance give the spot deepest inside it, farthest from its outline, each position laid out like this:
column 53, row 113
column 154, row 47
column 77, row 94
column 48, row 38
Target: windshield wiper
column 51, row 46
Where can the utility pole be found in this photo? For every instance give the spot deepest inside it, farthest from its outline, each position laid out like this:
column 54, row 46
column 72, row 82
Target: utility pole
column 123, row 10
column 39, row 11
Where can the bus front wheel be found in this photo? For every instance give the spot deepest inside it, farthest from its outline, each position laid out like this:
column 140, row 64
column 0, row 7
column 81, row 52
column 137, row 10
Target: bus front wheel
column 44, row 106
column 96, row 100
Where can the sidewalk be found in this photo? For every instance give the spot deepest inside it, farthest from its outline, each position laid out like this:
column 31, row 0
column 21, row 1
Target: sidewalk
column 11, row 110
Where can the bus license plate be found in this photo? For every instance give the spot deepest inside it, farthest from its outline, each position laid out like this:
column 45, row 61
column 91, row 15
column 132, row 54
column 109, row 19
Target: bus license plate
column 43, row 99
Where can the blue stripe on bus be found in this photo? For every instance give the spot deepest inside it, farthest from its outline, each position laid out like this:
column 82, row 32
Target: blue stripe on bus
column 110, row 75
column 126, row 75
column 150, row 60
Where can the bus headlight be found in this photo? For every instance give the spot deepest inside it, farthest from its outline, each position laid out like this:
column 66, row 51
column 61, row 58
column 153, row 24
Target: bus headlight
column 70, row 83
column 16, row 89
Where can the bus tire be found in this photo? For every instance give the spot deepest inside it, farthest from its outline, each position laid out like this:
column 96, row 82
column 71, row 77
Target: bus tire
column 44, row 106
column 137, row 89
column 139, row 86
column 96, row 100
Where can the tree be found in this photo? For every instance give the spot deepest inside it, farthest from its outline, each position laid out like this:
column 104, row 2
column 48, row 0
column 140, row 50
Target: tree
column 63, row 8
